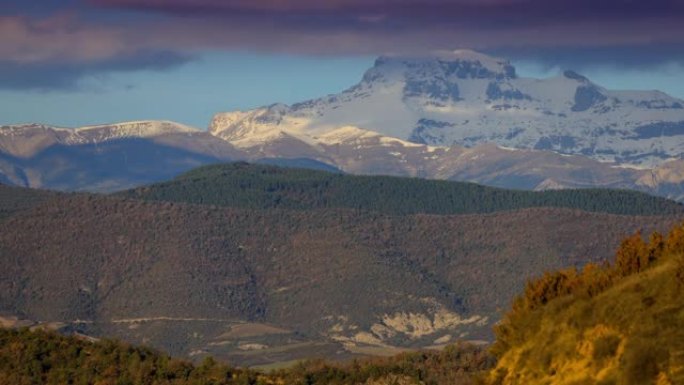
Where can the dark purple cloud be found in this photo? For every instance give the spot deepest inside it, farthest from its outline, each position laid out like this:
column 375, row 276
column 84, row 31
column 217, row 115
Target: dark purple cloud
column 55, row 52
column 87, row 36
column 487, row 12
column 379, row 26
column 400, row 6
column 65, row 76
column 636, row 56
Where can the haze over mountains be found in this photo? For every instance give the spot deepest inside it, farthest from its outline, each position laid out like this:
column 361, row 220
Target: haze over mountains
column 457, row 115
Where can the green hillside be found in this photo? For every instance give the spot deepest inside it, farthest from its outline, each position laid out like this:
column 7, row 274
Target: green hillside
column 262, row 186
column 611, row 324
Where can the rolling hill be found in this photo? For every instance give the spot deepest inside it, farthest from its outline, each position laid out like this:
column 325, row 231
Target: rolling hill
column 265, row 187
column 258, row 284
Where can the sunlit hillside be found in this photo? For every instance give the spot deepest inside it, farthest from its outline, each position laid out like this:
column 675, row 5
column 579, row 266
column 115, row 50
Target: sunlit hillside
column 613, row 324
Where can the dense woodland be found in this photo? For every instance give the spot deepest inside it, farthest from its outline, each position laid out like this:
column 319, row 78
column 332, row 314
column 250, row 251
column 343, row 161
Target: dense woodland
column 261, row 186
column 38, row 357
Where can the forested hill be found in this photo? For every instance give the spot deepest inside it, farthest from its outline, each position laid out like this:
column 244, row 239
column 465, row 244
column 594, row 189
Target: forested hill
column 263, row 186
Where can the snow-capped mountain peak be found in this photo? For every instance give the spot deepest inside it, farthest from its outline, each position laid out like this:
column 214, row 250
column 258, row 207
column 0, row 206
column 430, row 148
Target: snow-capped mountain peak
column 453, row 65
column 468, row 55
column 468, row 98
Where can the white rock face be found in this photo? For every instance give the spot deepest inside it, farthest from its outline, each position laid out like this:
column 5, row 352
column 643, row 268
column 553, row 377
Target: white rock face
column 466, row 98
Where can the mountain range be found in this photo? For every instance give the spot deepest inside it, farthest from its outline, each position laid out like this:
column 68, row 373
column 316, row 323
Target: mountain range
column 465, row 98
column 257, row 264
column 456, row 115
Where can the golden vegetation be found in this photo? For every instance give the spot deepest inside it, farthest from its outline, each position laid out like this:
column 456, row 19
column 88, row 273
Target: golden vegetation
column 619, row 323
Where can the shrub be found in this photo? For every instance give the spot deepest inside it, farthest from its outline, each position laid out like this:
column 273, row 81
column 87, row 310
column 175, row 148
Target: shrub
column 640, row 362
column 606, row 347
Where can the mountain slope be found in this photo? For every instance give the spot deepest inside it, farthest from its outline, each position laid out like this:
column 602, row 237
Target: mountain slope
column 124, row 162
column 258, row 286
column 618, row 324
column 261, row 187
column 466, row 98
column 105, row 158
column 29, row 139
column 359, row 151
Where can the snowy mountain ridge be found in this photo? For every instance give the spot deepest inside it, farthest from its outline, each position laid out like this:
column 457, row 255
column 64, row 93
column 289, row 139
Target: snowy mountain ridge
column 349, row 148
column 467, row 98
column 27, row 139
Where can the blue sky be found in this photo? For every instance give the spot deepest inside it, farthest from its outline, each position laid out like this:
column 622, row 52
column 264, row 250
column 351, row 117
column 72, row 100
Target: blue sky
column 79, row 62
column 192, row 93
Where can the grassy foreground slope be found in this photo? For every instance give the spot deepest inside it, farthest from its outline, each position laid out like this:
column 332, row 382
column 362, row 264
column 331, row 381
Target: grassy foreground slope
column 38, row 357
column 262, row 186
column 611, row 324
